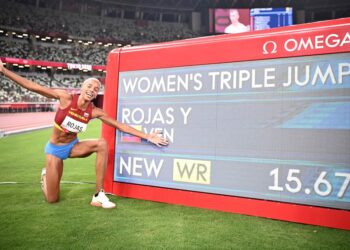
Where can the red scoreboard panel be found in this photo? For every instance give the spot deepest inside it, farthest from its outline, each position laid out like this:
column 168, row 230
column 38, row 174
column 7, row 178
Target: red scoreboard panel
column 258, row 123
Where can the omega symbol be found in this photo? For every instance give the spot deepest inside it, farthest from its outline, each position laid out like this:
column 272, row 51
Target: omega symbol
column 269, row 47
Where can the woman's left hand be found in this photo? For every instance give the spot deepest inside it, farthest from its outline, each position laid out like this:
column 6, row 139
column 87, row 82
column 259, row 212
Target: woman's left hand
column 157, row 139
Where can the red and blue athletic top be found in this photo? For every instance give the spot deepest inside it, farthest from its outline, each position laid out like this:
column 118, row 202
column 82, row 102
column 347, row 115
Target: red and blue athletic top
column 72, row 119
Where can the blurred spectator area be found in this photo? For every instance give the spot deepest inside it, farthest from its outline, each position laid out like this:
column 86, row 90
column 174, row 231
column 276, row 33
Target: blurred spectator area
column 69, row 53
column 11, row 92
column 69, row 32
column 92, row 25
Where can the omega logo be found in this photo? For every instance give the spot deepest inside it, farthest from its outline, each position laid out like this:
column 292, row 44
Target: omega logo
column 269, row 47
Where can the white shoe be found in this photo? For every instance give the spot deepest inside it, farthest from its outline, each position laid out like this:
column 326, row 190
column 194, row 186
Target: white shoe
column 101, row 200
column 43, row 173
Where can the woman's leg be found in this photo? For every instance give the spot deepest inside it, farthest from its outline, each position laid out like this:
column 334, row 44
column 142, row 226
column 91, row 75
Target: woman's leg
column 86, row 148
column 51, row 180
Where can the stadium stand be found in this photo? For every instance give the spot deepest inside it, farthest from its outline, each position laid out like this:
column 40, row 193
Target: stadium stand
column 68, row 53
column 11, row 92
column 34, row 19
column 68, row 36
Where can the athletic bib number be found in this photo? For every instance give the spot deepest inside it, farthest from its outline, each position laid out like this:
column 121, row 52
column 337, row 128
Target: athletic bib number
column 73, row 125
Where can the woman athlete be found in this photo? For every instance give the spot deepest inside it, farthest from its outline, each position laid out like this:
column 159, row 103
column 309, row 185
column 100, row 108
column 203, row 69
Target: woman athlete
column 71, row 118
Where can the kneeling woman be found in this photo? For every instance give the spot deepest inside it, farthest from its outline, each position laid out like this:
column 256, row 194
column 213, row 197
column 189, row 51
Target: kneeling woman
column 72, row 117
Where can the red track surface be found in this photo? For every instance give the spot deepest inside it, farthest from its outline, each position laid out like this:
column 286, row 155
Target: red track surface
column 18, row 122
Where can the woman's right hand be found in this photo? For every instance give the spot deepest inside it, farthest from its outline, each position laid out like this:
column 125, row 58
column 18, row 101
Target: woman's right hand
column 2, row 68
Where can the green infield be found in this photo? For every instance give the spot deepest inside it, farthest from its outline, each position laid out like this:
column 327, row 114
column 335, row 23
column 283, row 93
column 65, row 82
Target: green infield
column 28, row 222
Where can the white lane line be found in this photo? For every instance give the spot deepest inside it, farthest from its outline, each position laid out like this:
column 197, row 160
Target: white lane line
column 25, row 130
column 63, row 182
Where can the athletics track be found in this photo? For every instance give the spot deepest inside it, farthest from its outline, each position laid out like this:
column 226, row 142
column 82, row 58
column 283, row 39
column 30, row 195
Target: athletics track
column 13, row 123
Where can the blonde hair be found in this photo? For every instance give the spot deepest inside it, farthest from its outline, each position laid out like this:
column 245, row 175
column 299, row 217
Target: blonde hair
column 94, row 80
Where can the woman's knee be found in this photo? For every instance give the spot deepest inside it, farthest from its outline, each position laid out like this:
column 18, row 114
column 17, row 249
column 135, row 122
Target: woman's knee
column 102, row 145
column 52, row 198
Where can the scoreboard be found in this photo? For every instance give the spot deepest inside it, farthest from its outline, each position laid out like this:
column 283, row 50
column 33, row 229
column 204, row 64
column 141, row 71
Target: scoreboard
column 267, row 18
column 253, row 121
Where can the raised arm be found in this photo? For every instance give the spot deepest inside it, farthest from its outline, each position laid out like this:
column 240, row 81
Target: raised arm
column 155, row 137
column 30, row 85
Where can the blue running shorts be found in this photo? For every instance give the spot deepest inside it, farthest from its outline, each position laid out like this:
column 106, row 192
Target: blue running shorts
column 60, row 151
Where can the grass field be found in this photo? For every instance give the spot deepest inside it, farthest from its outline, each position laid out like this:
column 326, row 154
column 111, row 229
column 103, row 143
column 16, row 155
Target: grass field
column 28, row 222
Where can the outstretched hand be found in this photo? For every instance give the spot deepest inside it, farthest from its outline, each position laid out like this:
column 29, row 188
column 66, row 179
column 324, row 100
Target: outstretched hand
column 157, row 139
column 2, row 68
